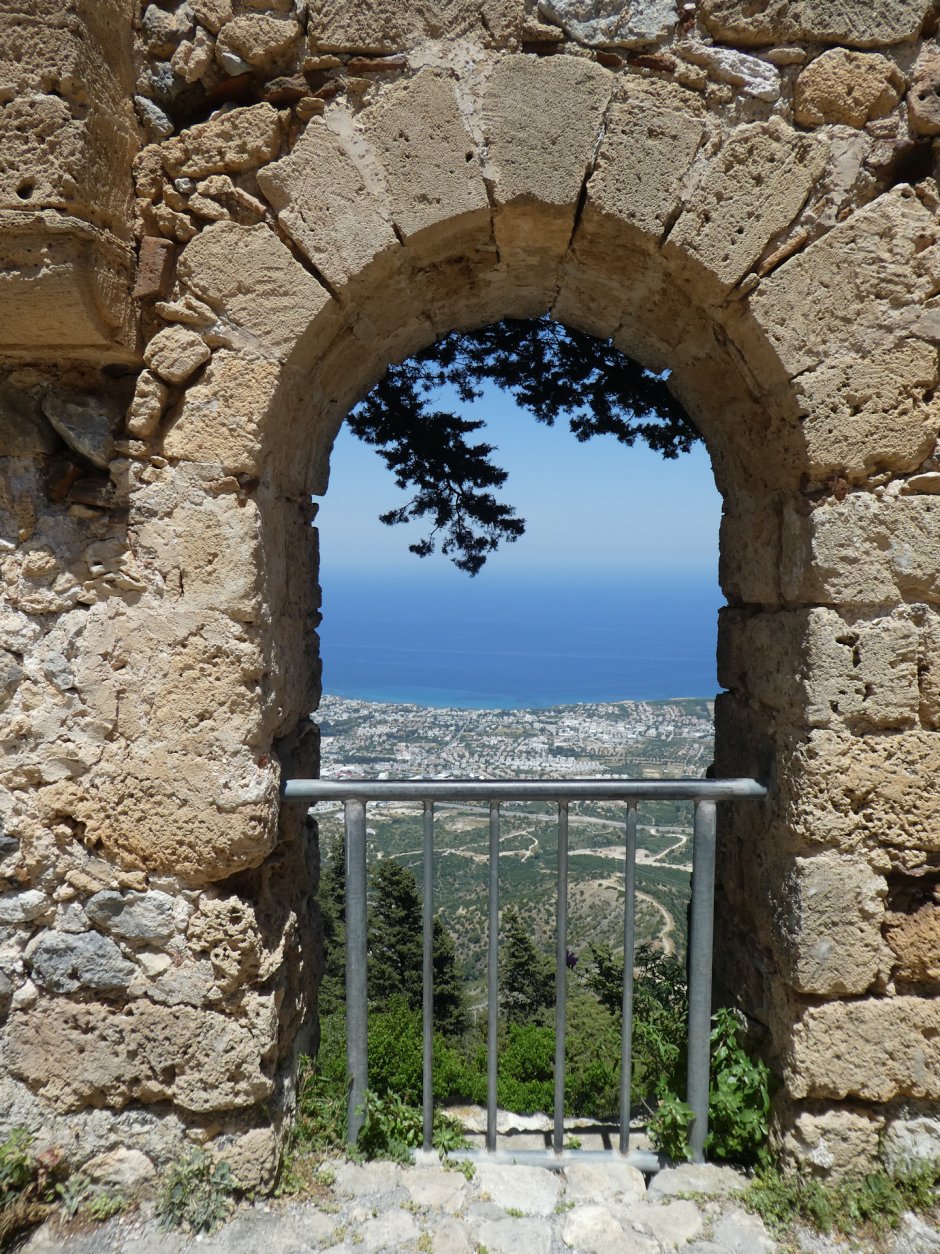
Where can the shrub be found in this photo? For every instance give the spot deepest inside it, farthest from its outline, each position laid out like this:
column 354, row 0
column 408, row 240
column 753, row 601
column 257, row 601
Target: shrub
column 197, row 1193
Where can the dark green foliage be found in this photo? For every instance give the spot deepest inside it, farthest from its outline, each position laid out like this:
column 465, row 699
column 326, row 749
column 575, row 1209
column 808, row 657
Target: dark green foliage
column 660, row 1013
column 332, row 994
column 396, row 949
column 550, row 370
column 739, row 1095
column 526, row 977
column 391, row 1128
column 851, row 1205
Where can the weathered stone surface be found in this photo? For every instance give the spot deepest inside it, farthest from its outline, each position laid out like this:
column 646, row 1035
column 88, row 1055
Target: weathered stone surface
column 859, row 415
column 250, row 276
column 863, row 550
column 427, row 154
column 262, row 40
column 852, row 790
column 916, row 1237
column 741, row 1233
column 910, row 1142
column 154, row 267
column 146, row 408
column 126, row 1169
column 175, row 353
column 772, row 169
column 705, row 1178
column 750, row 75
column 385, row 26
column 650, row 137
column 873, row 1049
column 241, row 139
column 222, row 415
column 611, row 24
column 847, row 88
column 23, row 907
column 138, row 917
column 86, row 423
column 673, row 1223
column 528, row 1189
column 832, row 1141
column 854, row 290
column 614, row 1181
column 914, row 939
column 923, row 102
column 828, row 914
column 818, row 667
column 76, row 1054
column 23, row 431
column 67, row 962
column 323, row 203
column 857, row 23
column 366, row 1179
column 436, row 1187
column 594, row 1228
column 516, row 1236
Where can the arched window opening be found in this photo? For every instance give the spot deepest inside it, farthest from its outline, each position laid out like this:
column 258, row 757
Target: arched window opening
column 578, row 643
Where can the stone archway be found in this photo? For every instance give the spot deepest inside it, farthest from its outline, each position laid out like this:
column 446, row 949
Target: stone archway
column 791, row 297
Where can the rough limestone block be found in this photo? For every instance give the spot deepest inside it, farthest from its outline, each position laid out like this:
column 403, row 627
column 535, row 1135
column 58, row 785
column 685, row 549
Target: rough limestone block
column 863, row 550
column 385, row 26
column 651, row 135
column 856, row 23
column 222, row 416
column 910, row 1141
column 829, row 1140
column 750, row 75
column 70, row 962
column 175, row 353
column 154, row 267
column 147, row 406
column 828, row 912
column 859, row 791
column 862, row 415
column 772, row 169
column 262, row 40
column 141, row 918
column 847, row 88
column 251, row 277
column 533, row 106
column 428, row 156
column 817, row 667
column 74, row 1055
column 873, row 1049
column 65, row 289
column 854, row 291
column 929, row 670
column 923, row 101
column 613, row 23
column 67, row 130
column 322, row 201
column 241, row 139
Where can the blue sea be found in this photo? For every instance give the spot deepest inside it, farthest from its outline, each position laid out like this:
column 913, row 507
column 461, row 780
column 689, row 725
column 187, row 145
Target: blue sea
column 512, row 642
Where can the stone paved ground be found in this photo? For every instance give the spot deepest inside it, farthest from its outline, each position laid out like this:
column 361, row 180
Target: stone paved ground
column 591, row 1208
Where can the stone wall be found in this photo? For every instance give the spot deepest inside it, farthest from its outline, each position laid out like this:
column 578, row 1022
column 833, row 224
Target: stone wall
column 743, row 194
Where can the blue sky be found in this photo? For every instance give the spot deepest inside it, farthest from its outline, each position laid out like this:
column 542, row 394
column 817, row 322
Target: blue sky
column 596, row 507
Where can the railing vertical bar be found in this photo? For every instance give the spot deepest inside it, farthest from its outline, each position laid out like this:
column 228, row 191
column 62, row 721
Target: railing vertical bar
column 357, row 1005
column 428, row 974
column 701, row 939
column 561, row 977
column 629, row 948
column 492, row 981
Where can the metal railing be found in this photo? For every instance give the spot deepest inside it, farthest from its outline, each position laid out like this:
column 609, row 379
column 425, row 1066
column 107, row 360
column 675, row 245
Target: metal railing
column 704, row 793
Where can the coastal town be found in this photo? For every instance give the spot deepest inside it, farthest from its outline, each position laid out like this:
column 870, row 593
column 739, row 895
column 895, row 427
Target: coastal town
column 377, row 740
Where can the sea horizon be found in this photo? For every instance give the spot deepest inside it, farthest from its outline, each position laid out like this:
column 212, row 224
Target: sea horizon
column 523, row 642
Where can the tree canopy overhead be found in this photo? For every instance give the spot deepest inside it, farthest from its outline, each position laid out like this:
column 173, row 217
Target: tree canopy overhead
column 550, row 370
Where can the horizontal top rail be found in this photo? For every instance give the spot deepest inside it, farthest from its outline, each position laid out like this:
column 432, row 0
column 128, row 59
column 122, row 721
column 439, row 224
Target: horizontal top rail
column 523, row 790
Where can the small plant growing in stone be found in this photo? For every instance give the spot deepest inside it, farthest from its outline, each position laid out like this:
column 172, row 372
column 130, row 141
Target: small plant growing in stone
column 104, row 1206
column 27, row 1189
column 515, row 1213
column 197, row 1193
column 73, row 1193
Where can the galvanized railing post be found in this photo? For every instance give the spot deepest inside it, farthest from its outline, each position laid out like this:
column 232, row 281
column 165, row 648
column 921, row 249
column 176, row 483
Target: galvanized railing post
column 428, row 974
column 629, row 953
column 701, row 939
column 357, row 994
column 492, row 982
column 561, row 977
